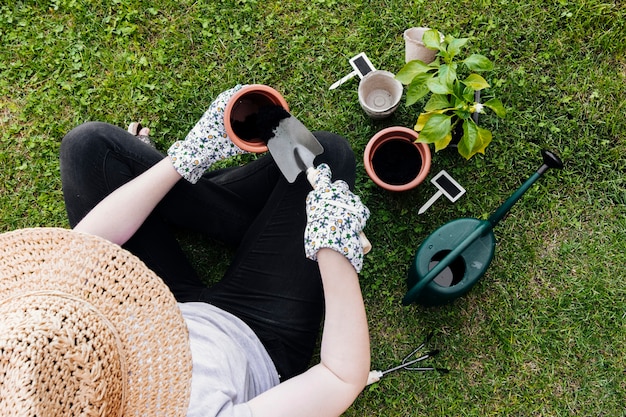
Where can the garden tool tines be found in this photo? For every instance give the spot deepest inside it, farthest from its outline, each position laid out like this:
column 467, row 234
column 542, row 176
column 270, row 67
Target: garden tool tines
column 409, row 363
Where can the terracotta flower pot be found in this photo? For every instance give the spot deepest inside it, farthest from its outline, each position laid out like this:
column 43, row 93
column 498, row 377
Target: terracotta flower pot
column 394, row 161
column 240, row 115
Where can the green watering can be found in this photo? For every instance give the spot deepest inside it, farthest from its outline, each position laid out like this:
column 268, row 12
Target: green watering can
column 452, row 259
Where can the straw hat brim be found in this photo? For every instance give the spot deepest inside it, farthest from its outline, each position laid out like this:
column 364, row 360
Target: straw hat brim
column 133, row 301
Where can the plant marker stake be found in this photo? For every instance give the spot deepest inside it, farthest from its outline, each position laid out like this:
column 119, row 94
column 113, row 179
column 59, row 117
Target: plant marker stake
column 362, row 66
column 342, row 80
column 430, row 202
column 447, row 186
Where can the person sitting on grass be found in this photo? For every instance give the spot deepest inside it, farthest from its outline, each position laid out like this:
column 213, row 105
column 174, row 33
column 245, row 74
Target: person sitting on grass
column 252, row 335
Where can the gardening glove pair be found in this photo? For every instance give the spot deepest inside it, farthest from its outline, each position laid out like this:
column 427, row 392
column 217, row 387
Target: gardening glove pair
column 335, row 217
column 206, row 143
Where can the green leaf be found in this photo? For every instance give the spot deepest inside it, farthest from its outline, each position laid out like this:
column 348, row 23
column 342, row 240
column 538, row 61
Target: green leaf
column 438, row 86
column 476, row 82
column 468, row 141
column 437, row 102
column 436, row 128
column 467, row 93
column 413, row 95
column 431, row 39
column 484, row 137
column 459, row 92
column 447, row 75
column 478, row 63
column 462, row 111
column 475, row 139
column 468, row 96
column 443, row 143
column 455, row 46
column 411, row 70
column 421, row 120
column 418, row 88
column 497, row 106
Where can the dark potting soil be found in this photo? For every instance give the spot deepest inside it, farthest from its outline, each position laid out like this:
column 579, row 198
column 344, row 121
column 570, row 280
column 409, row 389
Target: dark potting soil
column 260, row 125
column 397, row 162
column 246, row 129
column 268, row 119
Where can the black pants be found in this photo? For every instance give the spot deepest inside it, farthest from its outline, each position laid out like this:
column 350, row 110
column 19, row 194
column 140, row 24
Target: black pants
column 270, row 284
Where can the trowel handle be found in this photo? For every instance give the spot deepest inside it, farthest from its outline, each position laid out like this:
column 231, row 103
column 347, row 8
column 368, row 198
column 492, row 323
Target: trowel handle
column 311, row 174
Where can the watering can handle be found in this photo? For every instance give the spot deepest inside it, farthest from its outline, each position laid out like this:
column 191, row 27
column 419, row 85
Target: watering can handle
column 311, row 174
column 550, row 160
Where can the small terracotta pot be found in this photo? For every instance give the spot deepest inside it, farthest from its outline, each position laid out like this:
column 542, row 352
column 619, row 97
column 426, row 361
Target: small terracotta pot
column 240, row 111
column 394, row 161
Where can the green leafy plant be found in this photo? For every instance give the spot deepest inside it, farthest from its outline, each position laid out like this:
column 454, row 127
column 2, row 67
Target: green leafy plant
column 453, row 100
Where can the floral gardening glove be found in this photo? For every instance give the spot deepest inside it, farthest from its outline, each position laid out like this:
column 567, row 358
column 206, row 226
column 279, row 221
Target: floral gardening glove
column 206, row 143
column 335, row 218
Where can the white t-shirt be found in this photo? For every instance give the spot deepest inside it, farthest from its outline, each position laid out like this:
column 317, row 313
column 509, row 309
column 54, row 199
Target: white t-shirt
column 230, row 364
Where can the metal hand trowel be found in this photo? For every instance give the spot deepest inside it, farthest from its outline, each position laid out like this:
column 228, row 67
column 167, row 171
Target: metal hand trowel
column 293, row 147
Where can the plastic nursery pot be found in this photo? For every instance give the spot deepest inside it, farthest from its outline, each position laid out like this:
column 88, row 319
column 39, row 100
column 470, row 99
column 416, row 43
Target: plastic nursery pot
column 379, row 94
column 240, row 115
column 394, row 161
column 415, row 48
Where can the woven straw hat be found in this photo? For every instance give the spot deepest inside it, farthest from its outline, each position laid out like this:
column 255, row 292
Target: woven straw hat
column 87, row 329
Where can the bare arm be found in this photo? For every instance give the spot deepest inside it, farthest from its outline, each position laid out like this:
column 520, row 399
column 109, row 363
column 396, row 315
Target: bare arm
column 121, row 213
column 330, row 387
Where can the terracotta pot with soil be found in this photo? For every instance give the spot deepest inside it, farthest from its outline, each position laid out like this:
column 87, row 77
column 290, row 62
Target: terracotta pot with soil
column 394, row 161
column 240, row 115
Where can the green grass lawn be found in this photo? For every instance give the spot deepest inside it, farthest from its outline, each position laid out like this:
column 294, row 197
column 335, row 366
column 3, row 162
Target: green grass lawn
column 544, row 331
